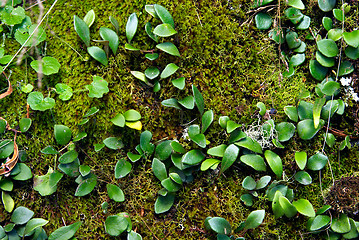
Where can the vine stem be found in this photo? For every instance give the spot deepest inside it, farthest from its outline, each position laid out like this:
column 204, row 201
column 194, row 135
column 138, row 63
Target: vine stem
column 27, row 40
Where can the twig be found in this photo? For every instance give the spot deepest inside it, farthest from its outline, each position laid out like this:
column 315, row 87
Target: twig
column 34, row 5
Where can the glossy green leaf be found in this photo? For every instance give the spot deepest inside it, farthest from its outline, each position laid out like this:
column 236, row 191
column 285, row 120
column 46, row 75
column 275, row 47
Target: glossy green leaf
column 172, row 102
column 291, row 112
column 317, row 108
column 193, row 157
column 327, row 23
column 294, row 15
column 187, row 102
column 110, row 36
column 317, row 162
column 49, row 150
column 316, row 70
column 6, row 185
column 353, row 233
column 352, row 53
column 259, row 3
column 122, row 168
column 179, row 83
column 47, row 184
column 89, row 18
column 217, row 151
column 326, row 5
column 70, row 169
column 163, row 150
column 209, row 163
column 164, row 30
column 62, row 134
column 301, row 48
column 229, row 157
column 207, row 120
column 263, row 21
column 115, row 193
column 304, row 207
column 25, row 124
column 23, row 37
column 276, row 34
column 145, row 142
column 33, row 224
column 7, row 201
column 176, row 178
column 12, row 16
column 130, row 47
column 249, row 183
column 151, row 10
column 159, row 169
column 352, row 38
column 254, row 161
column 288, row 209
column 164, row 203
column 247, row 199
column 306, row 129
column 84, row 170
column 65, row 233
column 297, row 59
column 82, row 30
column 301, row 159
column 152, row 72
column 254, row 219
column 65, row 92
column 285, row 131
column 304, row 23
column 98, row 87
column 164, row 15
column 335, row 34
column 303, row 177
column 296, row 4
column 250, row 144
column 134, row 236
column 328, row 47
column 220, row 225
column 21, row 215
column 68, row 157
column 330, row 106
column 113, row 143
column 98, row 54
column 276, row 207
column 292, row 40
column 91, row 112
column 152, row 56
column 274, row 162
column 345, row 68
column 330, row 88
column 132, row 115
column 263, row 182
column 170, row 185
column 287, row 73
column 231, row 126
column 169, row 70
column 323, row 60
column 119, row 120
column 341, row 224
column 86, row 184
column 262, row 108
column 24, row 174
column 131, row 26
column 339, row 14
column 2, row 126
column 169, row 48
column 37, row 101
column 198, row 98
column 319, row 222
column 148, row 29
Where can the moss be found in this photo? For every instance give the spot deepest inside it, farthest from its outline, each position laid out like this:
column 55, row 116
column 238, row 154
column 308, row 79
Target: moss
column 234, row 67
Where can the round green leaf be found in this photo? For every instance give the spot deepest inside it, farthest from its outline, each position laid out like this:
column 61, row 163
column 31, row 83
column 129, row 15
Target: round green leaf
column 292, row 40
column 6, row 185
column 49, row 150
column 317, row 162
column 276, row 34
column 113, row 143
column 131, row 26
column 250, row 144
column 328, row 47
column 247, row 199
column 47, row 184
column 296, row 4
column 164, row 203
column 303, row 177
column 122, row 168
column 323, row 60
column 338, row 14
column 68, row 157
column 306, row 128
column 285, row 131
column 187, row 102
column 294, row 15
column 341, row 224
column 37, row 101
column 301, row 159
column 304, row 207
column 179, row 83
column 24, row 174
column 345, row 68
column 275, row 162
column 319, row 222
column 115, row 193
column 164, row 30
column 352, row 53
column 36, row 38
column 301, row 48
column 297, row 59
column 249, row 183
column 172, row 102
column 159, row 169
column 263, row 182
column 134, row 236
column 288, row 209
column 352, row 38
column 47, row 65
column 254, row 161
column 330, row 88
column 84, row 170
column 33, row 224
column 111, row 36
column 164, row 15
column 132, row 115
column 217, row 151
column 326, row 5
column 98, row 54
column 21, row 215
column 7, row 201
column 209, row 163
column 62, row 134
column 170, row 185
column 304, row 23
column 335, row 34
column 291, row 112
column 263, row 21
column 89, row 18
column 169, row 48
column 152, row 56
column 229, row 157
column 169, row 70
column 327, row 23
column 163, row 150
column 220, row 225
column 193, row 157
column 119, row 120
column 86, row 184
column 254, row 219
column 152, row 72
column 65, row 92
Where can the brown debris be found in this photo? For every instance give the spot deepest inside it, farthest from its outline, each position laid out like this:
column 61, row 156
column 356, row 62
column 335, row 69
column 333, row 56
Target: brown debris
column 8, row 92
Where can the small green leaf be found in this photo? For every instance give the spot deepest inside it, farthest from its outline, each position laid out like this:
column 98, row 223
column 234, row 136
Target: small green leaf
column 33, row 224
column 250, row 144
column 169, row 48
column 164, row 30
column 220, row 225
column 304, row 207
column 317, row 108
column 352, row 53
column 285, row 131
column 131, row 26
column 276, row 207
column 276, row 34
column 169, row 70
column 82, row 30
column 296, row 4
column 339, row 14
column 164, row 203
column 172, row 102
column 84, row 170
column 263, row 182
column 110, row 36
column 113, row 143
column 114, row 23
column 254, row 161
column 291, row 112
column 304, row 23
column 247, row 199
column 98, row 87
column 98, row 54
column 327, row 23
column 319, row 222
column 62, row 134
column 306, row 129
column 262, row 108
column 130, row 47
column 317, row 162
column 323, row 60
column 6, row 185
column 326, row 5
column 352, row 38
column 47, row 184
column 86, row 184
column 65, row 233
column 98, row 147
column 209, row 163
column 7, row 201
column 254, row 219
column 217, row 151
column 21, row 215
column 207, row 120
column 89, row 18
column 229, row 157
column 275, row 162
column 24, row 174
column 2, row 126
column 328, row 47
column 115, row 193
column 65, row 92
column 335, row 34
column 294, row 15
column 70, row 169
column 25, row 124
column 303, row 177
column 119, row 120
column 345, row 68
column 37, row 101
column 12, row 16
column 134, row 236
column 297, row 59
column 139, row 75
column 122, row 168
column 263, row 21
column 164, row 15
column 68, row 157
column 163, row 150
column 152, row 72
column 231, row 126
column 301, row 159
column 159, row 169
column 193, row 157
column 249, row 183
column 23, row 37
column 316, row 70
column 179, row 83
column 341, row 224
column 132, row 115
column 170, row 185
column 292, row 40
column 301, row 48
column 6, row 148
column 148, row 29
column 49, row 150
